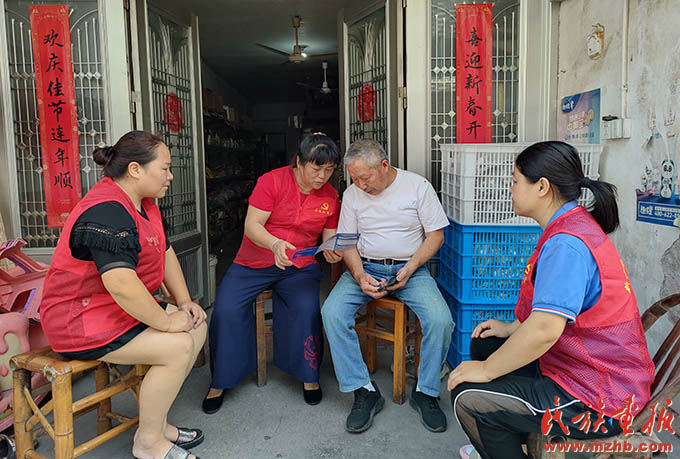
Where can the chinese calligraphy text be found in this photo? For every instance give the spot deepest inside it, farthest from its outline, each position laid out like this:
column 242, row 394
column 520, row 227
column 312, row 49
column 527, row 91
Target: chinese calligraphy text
column 473, row 71
column 51, row 38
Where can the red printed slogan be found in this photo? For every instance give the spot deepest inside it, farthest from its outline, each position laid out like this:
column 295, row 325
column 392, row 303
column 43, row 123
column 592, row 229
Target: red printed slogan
column 51, row 39
column 473, row 73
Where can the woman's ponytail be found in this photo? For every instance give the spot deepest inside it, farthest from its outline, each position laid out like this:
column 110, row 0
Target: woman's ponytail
column 559, row 162
column 604, row 208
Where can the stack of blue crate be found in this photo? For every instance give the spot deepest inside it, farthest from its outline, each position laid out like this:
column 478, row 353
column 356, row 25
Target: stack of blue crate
column 480, row 272
column 487, row 246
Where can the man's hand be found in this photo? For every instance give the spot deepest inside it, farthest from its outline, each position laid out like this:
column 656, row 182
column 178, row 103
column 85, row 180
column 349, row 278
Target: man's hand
column 403, row 275
column 279, row 248
column 469, row 371
column 196, row 312
column 332, row 256
column 370, row 286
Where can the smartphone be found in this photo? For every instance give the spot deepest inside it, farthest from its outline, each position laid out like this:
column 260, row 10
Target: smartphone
column 391, row 281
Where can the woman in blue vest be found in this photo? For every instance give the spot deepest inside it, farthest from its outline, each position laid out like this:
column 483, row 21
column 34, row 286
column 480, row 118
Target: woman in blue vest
column 577, row 352
column 289, row 209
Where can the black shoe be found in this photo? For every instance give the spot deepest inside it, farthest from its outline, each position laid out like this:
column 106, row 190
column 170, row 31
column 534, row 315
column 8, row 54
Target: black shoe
column 212, row 405
column 432, row 417
column 366, row 405
column 313, row 396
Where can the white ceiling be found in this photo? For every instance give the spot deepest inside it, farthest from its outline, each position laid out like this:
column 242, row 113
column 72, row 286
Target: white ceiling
column 229, row 30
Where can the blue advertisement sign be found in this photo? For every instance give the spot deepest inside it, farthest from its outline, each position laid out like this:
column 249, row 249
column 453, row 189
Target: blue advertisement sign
column 657, row 212
column 578, row 118
column 658, row 194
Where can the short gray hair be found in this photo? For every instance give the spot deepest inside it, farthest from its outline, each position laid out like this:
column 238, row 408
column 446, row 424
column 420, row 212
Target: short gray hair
column 369, row 150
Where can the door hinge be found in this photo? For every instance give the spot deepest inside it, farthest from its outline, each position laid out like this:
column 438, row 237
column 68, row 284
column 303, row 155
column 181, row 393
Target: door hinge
column 126, row 5
column 403, row 3
column 135, row 98
column 401, row 93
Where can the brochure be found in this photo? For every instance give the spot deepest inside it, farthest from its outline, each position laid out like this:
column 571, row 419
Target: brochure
column 341, row 241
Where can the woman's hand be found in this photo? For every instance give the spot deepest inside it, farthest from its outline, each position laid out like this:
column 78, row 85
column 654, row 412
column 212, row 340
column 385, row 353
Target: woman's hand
column 469, row 371
column 194, row 310
column 179, row 321
column 492, row 327
column 279, row 248
column 332, row 256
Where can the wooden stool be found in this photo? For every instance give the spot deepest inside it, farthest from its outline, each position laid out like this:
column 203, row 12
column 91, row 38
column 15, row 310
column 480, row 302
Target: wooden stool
column 59, row 371
column 261, row 332
column 401, row 331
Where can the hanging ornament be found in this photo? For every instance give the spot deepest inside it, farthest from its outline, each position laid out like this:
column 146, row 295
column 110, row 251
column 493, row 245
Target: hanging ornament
column 172, row 109
column 366, row 103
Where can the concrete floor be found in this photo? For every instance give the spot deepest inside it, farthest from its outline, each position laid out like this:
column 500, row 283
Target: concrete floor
column 274, row 422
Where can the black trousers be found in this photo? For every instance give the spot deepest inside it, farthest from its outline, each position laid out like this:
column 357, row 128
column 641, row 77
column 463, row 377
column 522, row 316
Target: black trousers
column 497, row 416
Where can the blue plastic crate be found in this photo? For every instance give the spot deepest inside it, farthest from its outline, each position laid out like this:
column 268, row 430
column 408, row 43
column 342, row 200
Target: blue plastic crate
column 468, row 316
column 454, row 357
column 485, row 264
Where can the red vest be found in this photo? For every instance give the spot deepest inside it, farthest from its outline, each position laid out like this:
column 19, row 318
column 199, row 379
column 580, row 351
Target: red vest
column 77, row 312
column 301, row 225
column 602, row 356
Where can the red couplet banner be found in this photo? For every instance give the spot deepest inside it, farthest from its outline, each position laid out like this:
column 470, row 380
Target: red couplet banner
column 473, row 73
column 51, row 39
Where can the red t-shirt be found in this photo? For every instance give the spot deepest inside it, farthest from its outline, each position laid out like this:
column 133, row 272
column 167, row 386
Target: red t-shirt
column 264, row 198
column 277, row 192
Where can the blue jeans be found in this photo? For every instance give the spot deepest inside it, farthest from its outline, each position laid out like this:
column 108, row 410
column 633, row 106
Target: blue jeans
column 420, row 294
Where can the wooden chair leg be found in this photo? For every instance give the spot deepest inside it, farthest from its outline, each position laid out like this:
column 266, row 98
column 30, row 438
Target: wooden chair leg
column 63, row 416
column 261, row 342
column 22, row 413
column 399, row 384
column 101, row 380
column 371, row 345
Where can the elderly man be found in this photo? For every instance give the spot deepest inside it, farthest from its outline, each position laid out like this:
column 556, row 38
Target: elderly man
column 401, row 223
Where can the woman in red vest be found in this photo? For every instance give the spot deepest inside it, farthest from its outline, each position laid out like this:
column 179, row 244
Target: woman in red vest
column 289, row 209
column 98, row 301
column 575, row 362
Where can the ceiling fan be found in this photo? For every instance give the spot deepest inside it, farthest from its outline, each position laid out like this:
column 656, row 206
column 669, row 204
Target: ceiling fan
column 325, row 89
column 298, row 55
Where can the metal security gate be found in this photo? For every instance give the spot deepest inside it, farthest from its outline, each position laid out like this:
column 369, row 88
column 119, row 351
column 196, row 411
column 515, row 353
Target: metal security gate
column 171, row 95
column 367, row 68
column 372, row 93
column 89, row 81
column 505, row 73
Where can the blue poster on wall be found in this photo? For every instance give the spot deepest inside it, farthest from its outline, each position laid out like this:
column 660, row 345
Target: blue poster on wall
column 578, row 118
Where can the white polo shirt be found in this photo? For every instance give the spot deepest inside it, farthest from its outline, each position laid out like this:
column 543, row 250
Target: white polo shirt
column 392, row 224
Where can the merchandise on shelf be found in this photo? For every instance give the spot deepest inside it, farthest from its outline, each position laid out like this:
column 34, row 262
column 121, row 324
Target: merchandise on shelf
column 233, row 158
